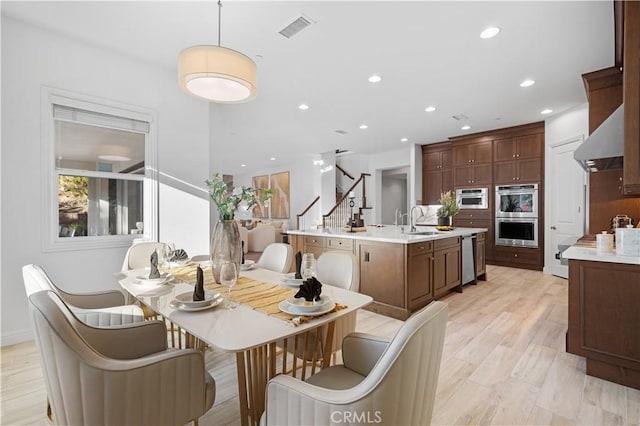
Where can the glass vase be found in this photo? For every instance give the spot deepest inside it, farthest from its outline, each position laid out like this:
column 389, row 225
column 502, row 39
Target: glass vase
column 225, row 246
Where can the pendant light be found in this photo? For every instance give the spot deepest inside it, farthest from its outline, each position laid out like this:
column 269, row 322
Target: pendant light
column 216, row 73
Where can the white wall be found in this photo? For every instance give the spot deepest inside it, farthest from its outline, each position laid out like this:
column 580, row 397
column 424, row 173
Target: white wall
column 31, row 58
column 302, row 175
column 394, row 196
column 561, row 127
column 378, row 163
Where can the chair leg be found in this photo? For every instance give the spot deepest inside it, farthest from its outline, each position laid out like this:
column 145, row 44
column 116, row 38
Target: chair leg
column 195, row 422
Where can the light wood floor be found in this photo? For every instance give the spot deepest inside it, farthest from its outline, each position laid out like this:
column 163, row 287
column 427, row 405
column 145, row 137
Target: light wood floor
column 504, row 362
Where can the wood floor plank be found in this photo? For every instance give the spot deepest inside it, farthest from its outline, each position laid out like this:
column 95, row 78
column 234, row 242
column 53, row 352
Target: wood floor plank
column 504, row 362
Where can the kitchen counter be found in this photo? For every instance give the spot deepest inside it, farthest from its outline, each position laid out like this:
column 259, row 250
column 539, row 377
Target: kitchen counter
column 588, row 251
column 391, row 234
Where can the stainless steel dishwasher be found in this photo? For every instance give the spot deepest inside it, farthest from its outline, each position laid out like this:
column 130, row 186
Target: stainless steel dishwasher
column 468, row 259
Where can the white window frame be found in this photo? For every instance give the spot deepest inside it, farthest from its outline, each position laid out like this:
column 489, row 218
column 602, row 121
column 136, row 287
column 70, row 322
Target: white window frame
column 51, row 239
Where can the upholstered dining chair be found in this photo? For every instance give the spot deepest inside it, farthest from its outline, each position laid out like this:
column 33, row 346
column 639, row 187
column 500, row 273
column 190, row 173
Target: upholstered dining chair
column 260, row 237
column 386, row 382
column 98, row 308
column 138, row 254
column 338, row 269
column 120, row 375
column 276, row 257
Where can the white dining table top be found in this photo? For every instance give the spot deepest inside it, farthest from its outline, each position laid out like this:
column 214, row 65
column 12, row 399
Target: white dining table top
column 234, row 330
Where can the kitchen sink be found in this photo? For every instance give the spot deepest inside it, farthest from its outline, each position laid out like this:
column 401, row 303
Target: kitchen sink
column 420, row 233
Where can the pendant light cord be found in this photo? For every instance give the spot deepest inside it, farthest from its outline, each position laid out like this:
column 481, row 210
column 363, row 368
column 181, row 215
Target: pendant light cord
column 219, row 19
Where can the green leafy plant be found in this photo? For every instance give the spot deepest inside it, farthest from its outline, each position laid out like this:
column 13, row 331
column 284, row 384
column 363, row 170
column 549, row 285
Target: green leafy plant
column 227, row 201
column 449, row 206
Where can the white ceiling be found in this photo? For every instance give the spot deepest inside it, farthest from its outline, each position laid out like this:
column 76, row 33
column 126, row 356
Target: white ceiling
column 428, row 53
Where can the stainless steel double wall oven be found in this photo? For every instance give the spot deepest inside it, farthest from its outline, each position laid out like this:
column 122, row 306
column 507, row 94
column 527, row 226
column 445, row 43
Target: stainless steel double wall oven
column 517, row 215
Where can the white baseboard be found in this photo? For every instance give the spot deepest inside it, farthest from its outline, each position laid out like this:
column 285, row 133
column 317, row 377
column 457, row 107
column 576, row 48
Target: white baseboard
column 14, row 337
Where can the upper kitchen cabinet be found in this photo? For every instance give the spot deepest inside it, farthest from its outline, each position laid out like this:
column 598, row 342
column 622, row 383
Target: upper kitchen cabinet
column 437, row 176
column 472, row 163
column 472, row 153
column 631, row 96
column 518, row 159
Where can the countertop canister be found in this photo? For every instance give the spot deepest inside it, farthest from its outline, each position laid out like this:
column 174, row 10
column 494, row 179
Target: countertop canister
column 604, row 242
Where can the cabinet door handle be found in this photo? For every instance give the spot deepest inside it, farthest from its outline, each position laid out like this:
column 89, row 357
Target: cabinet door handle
column 553, row 227
column 513, row 156
column 513, row 178
column 366, row 256
column 515, row 255
column 518, row 156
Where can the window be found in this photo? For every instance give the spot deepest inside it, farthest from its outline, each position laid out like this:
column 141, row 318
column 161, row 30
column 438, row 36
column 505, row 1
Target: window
column 102, row 179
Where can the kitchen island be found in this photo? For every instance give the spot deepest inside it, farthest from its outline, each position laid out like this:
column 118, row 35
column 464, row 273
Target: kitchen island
column 604, row 312
column 402, row 271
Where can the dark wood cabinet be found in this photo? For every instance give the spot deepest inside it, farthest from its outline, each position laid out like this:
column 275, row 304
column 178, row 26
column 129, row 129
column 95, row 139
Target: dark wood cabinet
column 519, row 257
column 437, row 176
column 481, row 266
column 472, row 153
column 631, row 95
column 447, row 264
column 382, row 272
column 473, row 175
column 420, row 274
column 472, row 163
column 604, row 319
column 518, row 159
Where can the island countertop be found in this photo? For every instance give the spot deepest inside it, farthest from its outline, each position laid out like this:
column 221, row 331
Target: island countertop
column 586, row 252
column 391, row 233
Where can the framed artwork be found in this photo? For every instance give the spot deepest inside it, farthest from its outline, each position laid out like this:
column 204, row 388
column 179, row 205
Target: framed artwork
column 260, row 183
column 280, row 200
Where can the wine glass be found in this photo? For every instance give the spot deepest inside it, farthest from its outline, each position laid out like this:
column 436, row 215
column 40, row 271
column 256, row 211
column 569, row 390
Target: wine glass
column 228, row 278
column 166, row 254
column 308, row 266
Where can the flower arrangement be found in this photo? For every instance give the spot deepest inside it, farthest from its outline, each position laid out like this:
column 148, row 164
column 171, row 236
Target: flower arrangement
column 449, row 206
column 228, row 201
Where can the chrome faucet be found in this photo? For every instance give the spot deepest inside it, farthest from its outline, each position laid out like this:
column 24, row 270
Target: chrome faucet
column 412, row 226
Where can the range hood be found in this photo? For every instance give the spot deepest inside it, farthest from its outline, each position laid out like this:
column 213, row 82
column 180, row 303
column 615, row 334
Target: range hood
column 603, row 150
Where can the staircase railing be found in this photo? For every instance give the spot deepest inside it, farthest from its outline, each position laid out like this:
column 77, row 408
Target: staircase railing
column 300, row 218
column 338, row 215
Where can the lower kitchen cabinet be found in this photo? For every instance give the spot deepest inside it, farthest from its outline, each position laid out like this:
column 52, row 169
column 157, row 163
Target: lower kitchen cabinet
column 480, row 257
column 447, row 269
column 420, row 274
column 604, row 319
column 382, row 275
column 519, row 257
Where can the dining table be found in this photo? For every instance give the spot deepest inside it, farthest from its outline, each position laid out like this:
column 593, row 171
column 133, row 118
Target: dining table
column 265, row 340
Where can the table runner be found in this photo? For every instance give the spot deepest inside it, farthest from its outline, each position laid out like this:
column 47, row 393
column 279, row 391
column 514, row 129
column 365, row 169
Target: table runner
column 259, row 295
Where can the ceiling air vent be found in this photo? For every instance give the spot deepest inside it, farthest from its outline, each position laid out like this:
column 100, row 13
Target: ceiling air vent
column 296, row 26
column 460, row 117
column 342, row 132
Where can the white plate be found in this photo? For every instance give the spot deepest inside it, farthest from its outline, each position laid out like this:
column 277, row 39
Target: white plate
column 290, row 280
column 247, row 265
column 164, row 277
column 180, row 307
column 186, row 299
column 326, row 306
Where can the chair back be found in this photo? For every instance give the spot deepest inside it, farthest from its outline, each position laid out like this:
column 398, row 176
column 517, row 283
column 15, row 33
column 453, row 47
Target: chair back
column 276, row 257
column 260, row 237
column 337, row 269
column 404, row 380
column 36, row 279
column 139, row 254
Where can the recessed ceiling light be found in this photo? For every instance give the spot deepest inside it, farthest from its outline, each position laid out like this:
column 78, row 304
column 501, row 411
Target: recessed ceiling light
column 303, row 107
column 430, row 108
column 364, row 126
column 243, row 165
column 272, row 158
column 375, row 78
column 490, row 32
column 546, row 111
column 465, row 127
column 527, row 83
column 404, row 140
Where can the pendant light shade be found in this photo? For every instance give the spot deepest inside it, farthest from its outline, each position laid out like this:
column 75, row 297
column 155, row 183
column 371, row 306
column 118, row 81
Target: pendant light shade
column 217, row 74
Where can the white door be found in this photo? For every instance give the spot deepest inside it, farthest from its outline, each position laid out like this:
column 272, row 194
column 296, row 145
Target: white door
column 567, row 188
